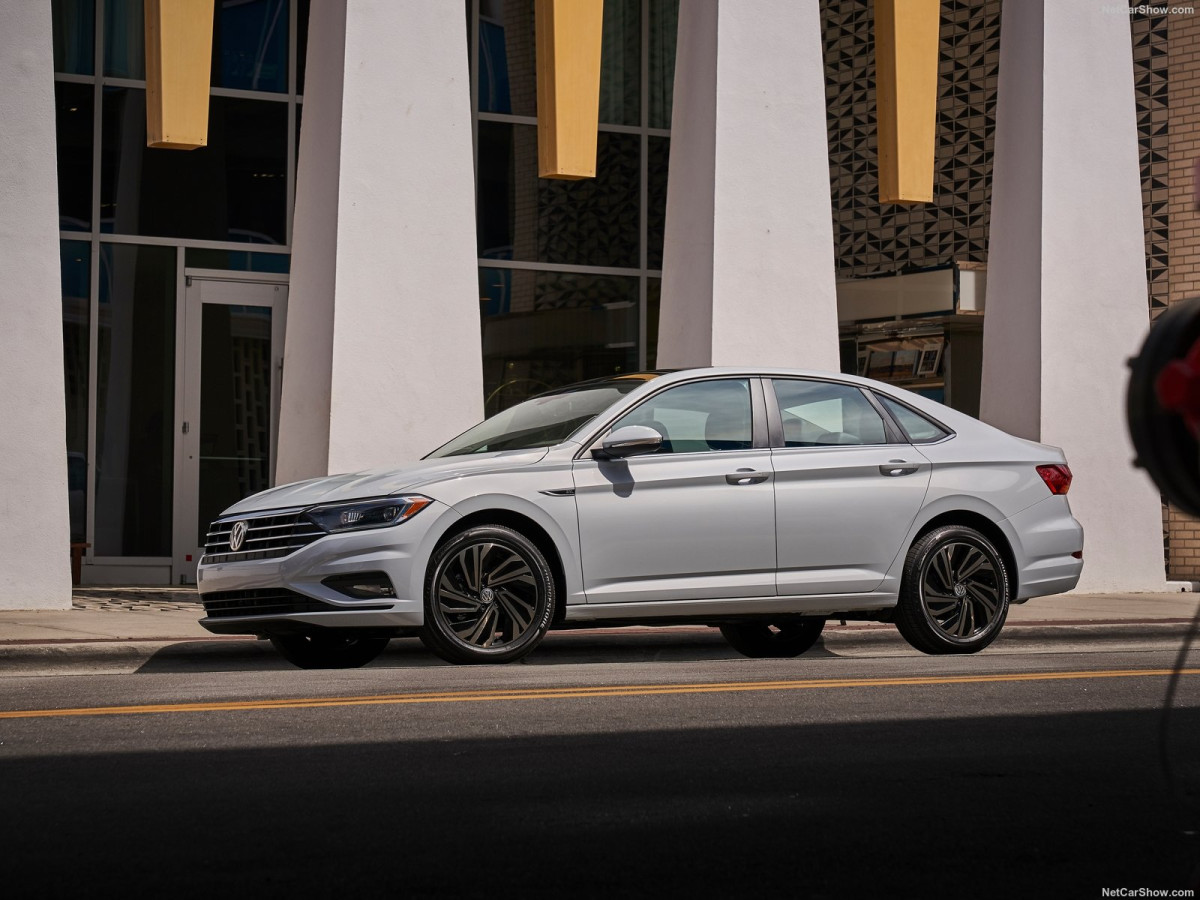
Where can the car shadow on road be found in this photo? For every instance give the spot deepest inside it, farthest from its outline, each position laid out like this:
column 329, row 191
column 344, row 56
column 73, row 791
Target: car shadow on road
column 664, row 645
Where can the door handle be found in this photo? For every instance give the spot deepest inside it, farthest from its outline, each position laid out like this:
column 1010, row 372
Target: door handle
column 747, row 476
column 896, row 467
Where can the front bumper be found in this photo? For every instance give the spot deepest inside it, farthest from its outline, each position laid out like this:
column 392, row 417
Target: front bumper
column 286, row 594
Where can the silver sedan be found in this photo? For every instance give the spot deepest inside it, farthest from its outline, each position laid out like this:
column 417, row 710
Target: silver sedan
column 761, row 502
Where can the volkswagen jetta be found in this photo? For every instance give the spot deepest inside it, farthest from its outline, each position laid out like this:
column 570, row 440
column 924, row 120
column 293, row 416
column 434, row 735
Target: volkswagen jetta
column 760, row 502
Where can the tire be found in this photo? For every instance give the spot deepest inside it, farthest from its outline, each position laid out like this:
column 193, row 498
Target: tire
column 328, row 649
column 489, row 597
column 955, row 592
column 782, row 641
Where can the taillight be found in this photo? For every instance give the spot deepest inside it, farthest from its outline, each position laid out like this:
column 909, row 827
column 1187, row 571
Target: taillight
column 1057, row 478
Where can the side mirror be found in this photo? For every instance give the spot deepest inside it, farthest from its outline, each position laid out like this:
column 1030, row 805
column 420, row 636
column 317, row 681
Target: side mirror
column 631, row 440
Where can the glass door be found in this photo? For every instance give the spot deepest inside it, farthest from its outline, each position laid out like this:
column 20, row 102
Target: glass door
column 229, row 422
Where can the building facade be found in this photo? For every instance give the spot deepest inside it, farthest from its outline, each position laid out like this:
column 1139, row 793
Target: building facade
column 363, row 258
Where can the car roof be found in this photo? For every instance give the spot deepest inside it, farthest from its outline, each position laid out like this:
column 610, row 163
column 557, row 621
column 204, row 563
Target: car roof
column 657, row 379
column 760, row 371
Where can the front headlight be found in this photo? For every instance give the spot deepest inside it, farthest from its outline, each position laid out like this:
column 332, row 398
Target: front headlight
column 359, row 515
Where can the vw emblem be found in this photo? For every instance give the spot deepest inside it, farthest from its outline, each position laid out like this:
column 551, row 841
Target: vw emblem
column 237, row 536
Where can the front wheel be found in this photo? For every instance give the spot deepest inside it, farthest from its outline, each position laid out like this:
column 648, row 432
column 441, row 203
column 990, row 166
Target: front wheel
column 489, row 597
column 782, row 641
column 955, row 592
column 328, row 650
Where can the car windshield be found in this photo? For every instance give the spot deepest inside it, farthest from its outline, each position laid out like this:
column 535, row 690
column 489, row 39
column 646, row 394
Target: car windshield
column 542, row 421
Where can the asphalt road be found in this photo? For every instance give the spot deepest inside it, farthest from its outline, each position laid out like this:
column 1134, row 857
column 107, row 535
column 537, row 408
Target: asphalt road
column 625, row 765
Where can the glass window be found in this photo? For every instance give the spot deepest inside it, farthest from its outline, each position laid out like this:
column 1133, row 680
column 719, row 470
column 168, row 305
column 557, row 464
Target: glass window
column 658, row 155
column 817, row 414
column 76, row 260
column 541, row 421
column 250, row 44
column 74, row 35
column 593, row 221
column 653, row 302
column 543, row 330
column 73, row 113
column 698, row 417
column 664, row 24
column 235, row 407
column 235, row 189
column 918, row 428
column 507, row 58
column 135, row 401
column 302, row 8
column 238, row 260
column 621, row 63
column 124, row 39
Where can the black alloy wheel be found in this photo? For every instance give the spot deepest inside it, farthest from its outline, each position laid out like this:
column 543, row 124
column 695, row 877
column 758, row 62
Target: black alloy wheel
column 955, row 592
column 489, row 597
column 328, row 649
column 775, row 641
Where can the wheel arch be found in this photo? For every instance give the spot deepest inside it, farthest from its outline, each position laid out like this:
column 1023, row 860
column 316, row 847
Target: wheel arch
column 531, row 529
column 985, row 526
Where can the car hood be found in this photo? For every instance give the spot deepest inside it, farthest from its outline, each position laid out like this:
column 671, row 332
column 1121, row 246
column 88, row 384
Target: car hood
column 383, row 481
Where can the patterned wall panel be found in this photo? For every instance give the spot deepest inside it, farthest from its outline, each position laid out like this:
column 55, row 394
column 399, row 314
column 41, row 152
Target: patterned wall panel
column 1150, row 90
column 874, row 238
column 879, row 239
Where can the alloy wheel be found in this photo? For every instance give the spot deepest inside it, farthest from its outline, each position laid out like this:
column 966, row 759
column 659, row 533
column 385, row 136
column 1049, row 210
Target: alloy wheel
column 486, row 594
column 960, row 591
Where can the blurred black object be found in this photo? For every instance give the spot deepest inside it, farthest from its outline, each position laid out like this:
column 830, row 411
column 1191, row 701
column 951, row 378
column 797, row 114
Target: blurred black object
column 1163, row 405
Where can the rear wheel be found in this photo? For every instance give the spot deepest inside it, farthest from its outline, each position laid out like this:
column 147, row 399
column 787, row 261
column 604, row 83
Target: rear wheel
column 328, row 650
column 489, row 596
column 781, row 641
column 955, row 592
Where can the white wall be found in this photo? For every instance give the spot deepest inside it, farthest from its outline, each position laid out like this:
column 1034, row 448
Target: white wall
column 748, row 261
column 1066, row 272
column 34, row 527
column 303, row 448
column 384, row 283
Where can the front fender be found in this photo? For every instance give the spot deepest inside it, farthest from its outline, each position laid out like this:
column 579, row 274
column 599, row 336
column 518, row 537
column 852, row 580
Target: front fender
column 519, row 492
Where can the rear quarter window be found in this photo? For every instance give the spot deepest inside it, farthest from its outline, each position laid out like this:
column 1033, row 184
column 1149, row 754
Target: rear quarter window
column 919, row 429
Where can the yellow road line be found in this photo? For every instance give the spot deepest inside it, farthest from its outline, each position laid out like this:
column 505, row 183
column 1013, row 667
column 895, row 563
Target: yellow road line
column 583, row 692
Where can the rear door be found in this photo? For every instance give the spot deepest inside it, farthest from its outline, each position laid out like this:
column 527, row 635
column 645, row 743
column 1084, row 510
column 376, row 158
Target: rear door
column 847, row 487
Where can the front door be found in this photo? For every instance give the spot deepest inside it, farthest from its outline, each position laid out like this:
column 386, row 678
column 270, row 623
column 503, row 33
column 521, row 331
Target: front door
column 695, row 520
column 229, row 417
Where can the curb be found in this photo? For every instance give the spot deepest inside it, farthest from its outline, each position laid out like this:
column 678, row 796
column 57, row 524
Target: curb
column 98, row 657
column 66, row 656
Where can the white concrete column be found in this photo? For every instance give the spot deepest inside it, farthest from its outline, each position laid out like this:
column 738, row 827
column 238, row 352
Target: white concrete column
column 35, row 534
column 382, row 355
column 1067, row 273
column 748, row 266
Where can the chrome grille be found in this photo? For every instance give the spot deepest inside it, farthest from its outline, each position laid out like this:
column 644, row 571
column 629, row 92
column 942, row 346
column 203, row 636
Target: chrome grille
column 268, row 536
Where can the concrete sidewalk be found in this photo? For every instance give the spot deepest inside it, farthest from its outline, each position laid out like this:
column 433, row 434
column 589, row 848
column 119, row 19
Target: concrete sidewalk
column 153, row 615
column 110, row 615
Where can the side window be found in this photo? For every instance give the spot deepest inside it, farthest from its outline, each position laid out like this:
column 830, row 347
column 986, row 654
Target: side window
column 918, row 428
column 698, row 417
column 817, row 414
